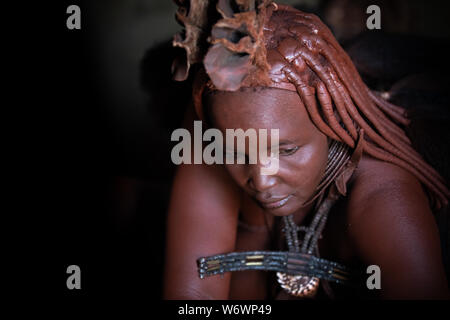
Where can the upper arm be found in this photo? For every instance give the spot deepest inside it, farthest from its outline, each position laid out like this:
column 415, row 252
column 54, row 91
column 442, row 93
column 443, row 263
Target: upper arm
column 392, row 226
column 202, row 221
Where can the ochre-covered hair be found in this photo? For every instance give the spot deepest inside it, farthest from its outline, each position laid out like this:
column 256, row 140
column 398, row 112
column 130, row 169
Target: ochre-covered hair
column 250, row 43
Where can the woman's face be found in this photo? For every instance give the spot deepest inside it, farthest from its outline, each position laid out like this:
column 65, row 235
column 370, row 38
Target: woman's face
column 303, row 149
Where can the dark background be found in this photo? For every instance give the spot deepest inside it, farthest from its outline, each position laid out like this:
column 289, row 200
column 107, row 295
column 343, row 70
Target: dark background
column 107, row 107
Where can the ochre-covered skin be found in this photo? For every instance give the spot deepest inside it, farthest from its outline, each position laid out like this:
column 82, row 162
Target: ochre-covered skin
column 315, row 95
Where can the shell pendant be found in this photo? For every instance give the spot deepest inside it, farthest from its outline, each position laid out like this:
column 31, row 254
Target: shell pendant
column 298, row 285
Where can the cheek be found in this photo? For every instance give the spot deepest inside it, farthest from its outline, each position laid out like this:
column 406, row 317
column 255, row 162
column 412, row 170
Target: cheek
column 306, row 167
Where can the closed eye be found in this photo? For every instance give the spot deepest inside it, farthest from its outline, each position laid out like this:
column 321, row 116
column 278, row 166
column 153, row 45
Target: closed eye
column 288, row 151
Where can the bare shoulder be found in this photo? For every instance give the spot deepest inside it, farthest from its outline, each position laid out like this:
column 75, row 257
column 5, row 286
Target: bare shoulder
column 385, row 192
column 373, row 175
column 391, row 225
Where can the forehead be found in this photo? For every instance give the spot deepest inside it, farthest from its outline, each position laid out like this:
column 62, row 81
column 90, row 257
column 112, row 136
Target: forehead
column 267, row 108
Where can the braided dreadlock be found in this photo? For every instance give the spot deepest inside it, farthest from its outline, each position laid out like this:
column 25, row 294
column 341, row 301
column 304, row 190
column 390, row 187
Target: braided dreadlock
column 259, row 43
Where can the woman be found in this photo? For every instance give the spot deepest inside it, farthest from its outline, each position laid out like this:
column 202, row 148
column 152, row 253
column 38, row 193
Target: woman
column 347, row 176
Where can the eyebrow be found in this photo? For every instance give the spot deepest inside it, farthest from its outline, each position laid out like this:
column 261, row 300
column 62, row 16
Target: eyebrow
column 285, row 142
column 281, row 143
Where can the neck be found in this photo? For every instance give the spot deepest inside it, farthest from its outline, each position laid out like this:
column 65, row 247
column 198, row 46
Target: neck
column 302, row 215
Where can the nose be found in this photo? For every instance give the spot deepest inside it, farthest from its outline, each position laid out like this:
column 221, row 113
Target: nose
column 260, row 182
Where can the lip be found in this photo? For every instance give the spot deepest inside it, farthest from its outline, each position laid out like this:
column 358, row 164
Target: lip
column 276, row 204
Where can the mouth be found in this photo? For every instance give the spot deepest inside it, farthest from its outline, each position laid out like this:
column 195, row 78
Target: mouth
column 276, row 204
